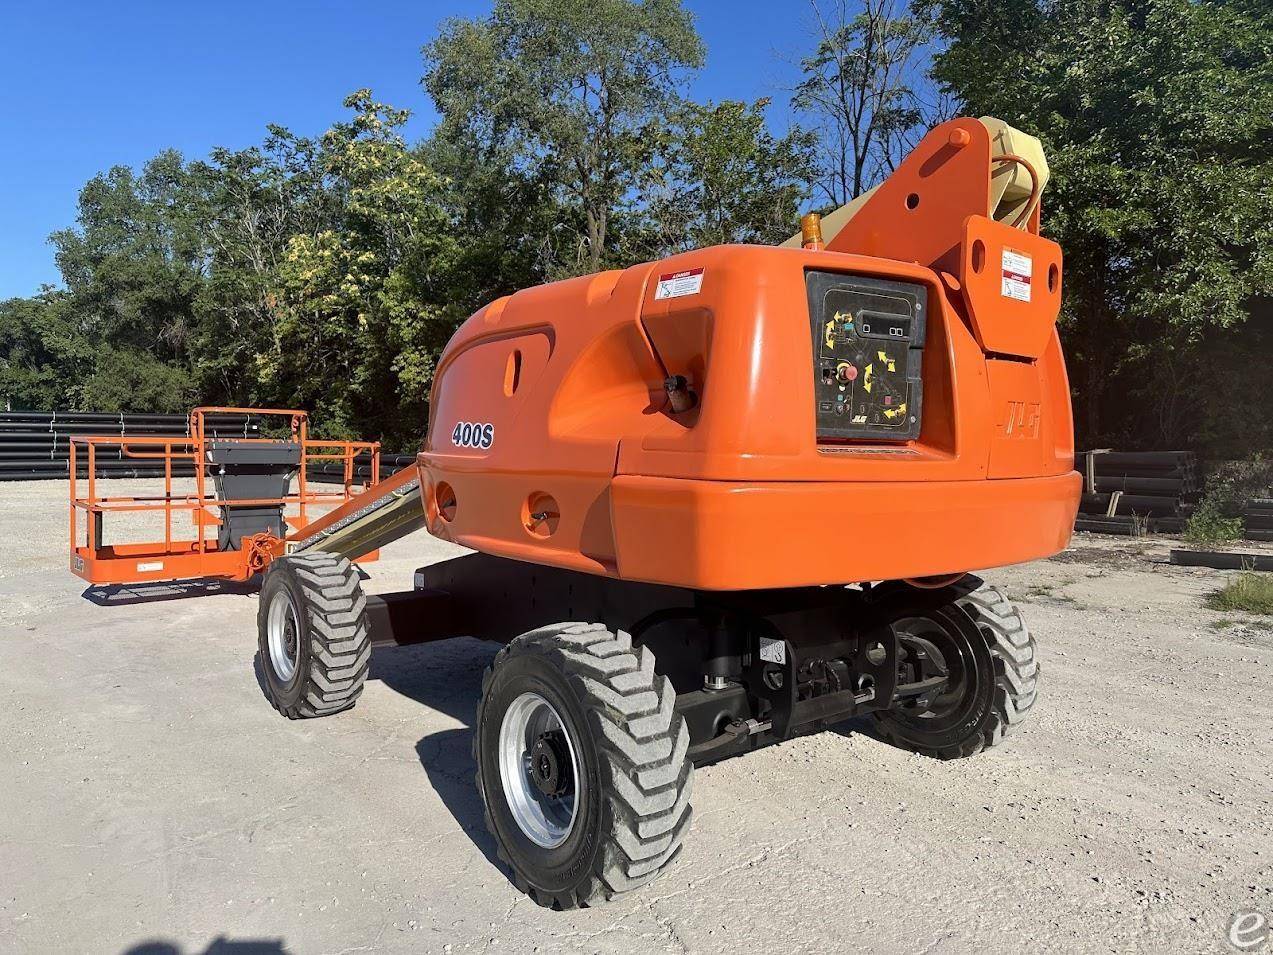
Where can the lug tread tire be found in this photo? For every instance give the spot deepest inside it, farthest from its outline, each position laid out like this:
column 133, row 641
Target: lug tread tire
column 339, row 636
column 646, row 775
column 1017, row 671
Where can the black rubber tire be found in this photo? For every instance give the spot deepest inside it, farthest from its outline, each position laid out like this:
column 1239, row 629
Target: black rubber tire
column 1007, row 678
column 334, row 643
column 634, row 781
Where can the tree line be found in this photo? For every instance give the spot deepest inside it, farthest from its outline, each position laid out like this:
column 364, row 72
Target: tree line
column 328, row 272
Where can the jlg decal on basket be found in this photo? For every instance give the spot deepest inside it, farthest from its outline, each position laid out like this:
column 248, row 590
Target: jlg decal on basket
column 1016, row 275
column 467, row 434
column 676, row 284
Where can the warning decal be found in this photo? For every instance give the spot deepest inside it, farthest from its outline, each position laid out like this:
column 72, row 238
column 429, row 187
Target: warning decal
column 773, row 651
column 676, row 284
column 1016, row 275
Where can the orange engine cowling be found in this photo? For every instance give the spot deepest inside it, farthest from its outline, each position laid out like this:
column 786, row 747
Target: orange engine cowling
column 748, row 417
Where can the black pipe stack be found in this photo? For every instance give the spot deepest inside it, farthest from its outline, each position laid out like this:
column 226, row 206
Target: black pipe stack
column 1257, row 521
column 1133, row 492
column 333, row 472
column 35, row 445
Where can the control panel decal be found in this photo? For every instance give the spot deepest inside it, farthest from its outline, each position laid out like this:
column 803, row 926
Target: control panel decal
column 868, row 347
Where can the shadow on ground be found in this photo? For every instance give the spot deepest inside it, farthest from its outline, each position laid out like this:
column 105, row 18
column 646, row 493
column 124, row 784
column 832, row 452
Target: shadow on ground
column 446, row 677
column 219, row 946
column 859, row 726
column 126, row 595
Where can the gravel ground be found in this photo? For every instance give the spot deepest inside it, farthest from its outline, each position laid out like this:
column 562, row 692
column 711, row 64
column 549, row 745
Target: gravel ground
column 151, row 795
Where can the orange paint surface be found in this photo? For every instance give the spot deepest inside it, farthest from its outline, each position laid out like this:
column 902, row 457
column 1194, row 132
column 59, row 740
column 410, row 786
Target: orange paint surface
column 739, row 492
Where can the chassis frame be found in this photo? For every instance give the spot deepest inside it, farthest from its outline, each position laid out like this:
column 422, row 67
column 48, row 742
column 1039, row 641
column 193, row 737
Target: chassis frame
column 749, row 668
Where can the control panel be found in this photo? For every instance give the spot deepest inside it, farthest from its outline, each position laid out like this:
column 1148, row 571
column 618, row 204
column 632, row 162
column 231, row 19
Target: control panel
column 868, row 345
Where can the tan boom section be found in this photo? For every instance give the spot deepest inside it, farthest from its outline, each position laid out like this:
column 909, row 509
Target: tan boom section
column 1011, row 184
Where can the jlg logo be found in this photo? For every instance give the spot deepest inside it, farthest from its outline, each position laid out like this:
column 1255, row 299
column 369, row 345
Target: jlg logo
column 469, row 435
column 1022, row 420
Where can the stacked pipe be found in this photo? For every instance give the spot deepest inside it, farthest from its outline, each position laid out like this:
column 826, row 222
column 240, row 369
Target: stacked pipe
column 35, row 445
column 333, row 472
column 1257, row 521
column 1134, row 492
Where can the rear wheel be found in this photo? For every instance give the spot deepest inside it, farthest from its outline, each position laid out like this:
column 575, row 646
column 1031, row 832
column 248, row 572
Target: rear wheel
column 312, row 635
column 967, row 672
column 581, row 764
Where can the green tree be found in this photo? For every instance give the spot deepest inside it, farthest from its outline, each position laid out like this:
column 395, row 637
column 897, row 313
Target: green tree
column 362, row 305
column 328, row 273
column 45, row 359
column 1157, row 116
column 726, row 178
column 573, row 95
column 250, row 204
column 858, row 91
column 133, row 266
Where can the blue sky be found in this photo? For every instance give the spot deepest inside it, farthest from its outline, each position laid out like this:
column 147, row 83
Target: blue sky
column 88, row 85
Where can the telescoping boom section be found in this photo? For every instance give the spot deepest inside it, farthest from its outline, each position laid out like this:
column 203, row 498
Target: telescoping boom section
column 249, row 500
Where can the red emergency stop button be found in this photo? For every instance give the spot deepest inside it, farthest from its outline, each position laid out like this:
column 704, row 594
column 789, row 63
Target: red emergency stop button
column 846, row 372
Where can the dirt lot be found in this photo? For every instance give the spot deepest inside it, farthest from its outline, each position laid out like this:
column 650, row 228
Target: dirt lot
column 151, row 795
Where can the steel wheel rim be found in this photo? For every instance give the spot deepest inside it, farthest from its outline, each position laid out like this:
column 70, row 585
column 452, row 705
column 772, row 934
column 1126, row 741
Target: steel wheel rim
column 546, row 820
column 283, row 631
column 949, row 657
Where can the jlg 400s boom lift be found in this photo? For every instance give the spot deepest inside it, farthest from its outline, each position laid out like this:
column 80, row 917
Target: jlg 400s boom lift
column 720, row 500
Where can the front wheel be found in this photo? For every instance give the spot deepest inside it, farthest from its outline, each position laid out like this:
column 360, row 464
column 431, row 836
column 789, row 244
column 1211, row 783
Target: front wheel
column 313, row 638
column 582, row 764
column 967, row 672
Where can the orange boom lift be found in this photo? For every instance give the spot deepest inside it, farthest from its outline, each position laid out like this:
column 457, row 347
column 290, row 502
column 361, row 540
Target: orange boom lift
column 717, row 501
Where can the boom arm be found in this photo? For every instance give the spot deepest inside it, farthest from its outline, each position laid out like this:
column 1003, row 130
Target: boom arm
column 1016, row 172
